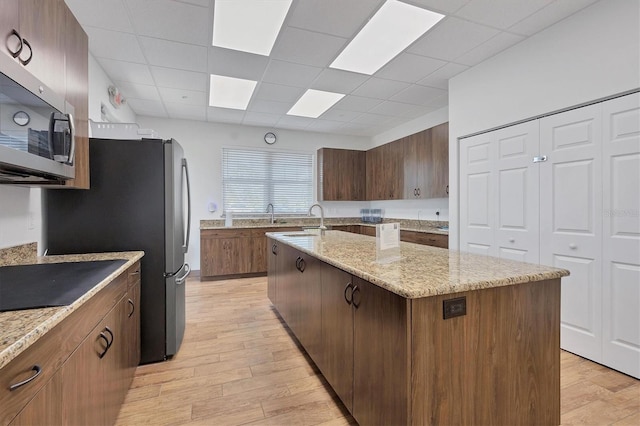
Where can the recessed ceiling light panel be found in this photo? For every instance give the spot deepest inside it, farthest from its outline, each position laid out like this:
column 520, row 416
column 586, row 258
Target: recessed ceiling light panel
column 314, row 103
column 229, row 92
column 394, row 27
column 248, row 25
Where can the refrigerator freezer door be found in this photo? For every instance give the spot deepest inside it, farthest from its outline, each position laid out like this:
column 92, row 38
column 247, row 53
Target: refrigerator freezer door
column 175, row 289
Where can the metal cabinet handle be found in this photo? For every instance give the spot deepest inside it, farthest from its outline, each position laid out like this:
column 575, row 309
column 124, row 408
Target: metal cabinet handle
column 353, row 296
column 349, row 298
column 274, row 248
column 303, row 265
column 26, row 61
column 134, row 273
column 106, row 348
column 37, row 370
column 298, row 263
column 133, row 307
column 415, row 192
column 447, row 189
column 108, row 330
column 17, row 34
column 418, row 192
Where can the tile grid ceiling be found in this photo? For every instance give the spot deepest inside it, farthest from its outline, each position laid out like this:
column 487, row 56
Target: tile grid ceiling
column 159, row 54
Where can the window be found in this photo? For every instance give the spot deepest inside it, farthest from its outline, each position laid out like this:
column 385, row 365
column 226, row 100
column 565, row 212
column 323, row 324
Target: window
column 251, row 179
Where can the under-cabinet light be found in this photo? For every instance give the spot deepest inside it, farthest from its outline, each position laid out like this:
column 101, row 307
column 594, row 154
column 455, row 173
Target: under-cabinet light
column 229, row 92
column 314, row 102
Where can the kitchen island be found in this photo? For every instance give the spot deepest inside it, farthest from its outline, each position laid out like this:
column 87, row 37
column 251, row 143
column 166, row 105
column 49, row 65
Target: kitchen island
column 437, row 337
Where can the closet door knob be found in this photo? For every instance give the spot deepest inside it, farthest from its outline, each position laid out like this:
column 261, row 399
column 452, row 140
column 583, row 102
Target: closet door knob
column 573, row 246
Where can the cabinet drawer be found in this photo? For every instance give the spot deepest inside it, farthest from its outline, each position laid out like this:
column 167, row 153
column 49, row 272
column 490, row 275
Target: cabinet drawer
column 435, row 240
column 133, row 274
column 225, row 233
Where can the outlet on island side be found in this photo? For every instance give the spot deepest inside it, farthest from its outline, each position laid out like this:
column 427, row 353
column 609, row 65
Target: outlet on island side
column 454, row 307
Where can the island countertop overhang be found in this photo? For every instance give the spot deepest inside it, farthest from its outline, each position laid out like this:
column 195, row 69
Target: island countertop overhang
column 422, row 271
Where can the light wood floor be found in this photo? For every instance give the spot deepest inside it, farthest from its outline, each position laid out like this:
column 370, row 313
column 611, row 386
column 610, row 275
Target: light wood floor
column 238, row 364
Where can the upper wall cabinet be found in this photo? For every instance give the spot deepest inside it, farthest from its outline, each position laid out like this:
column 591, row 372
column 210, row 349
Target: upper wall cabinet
column 45, row 38
column 341, row 175
column 384, row 171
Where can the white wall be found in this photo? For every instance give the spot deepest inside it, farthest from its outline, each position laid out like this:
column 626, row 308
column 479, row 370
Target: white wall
column 203, row 142
column 20, row 216
column 98, row 94
column 593, row 54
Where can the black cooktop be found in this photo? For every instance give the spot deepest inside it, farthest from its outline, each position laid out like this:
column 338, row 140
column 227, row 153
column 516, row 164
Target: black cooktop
column 50, row 284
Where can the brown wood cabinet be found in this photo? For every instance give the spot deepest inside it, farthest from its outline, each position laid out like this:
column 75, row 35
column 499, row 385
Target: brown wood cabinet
column 438, row 163
column 384, row 172
column 341, row 175
column 76, row 385
column 425, row 238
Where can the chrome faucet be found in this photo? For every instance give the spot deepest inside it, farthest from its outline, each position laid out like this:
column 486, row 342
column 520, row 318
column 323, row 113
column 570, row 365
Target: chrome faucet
column 272, row 212
column 322, row 227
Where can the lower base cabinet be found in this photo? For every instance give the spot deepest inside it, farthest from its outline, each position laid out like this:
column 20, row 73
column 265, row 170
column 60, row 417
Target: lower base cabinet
column 424, row 238
column 85, row 377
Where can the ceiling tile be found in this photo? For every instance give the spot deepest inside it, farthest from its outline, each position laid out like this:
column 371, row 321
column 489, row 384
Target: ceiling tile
column 146, row 107
column 418, row 95
column 549, row 15
column 182, row 96
column 394, row 109
column 180, row 79
column 373, row 119
column 360, row 129
column 409, row 68
column 201, row 3
column 336, row 17
column 442, row 6
column 489, row 48
column 419, row 111
column 289, row 74
column 380, row 88
column 271, row 107
column 440, row 78
column 440, row 102
column 500, row 13
column 186, row 112
column 260, row 118
column 338, row 81
column 171, row 20
column 172, row 54
column 233, row 63
column 126, row 71
column 335, row 114
column 109, row 14
column 321, row 125
column 224, row 115
column 307, row 47
column 357, row 103
column 451, row 38
column 114, row 45
column 138, row 91
column 278, row 92
column 294, row 122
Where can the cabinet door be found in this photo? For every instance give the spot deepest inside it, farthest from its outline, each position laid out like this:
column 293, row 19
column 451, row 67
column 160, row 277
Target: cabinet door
column 285, row 265
column 341, row 175
column 9, row 20
column 44, row 408
column 381, row 351
column 384, row 172
column 416, row 163
column 272, row 270
column 227, row 256
column 131, row 353
column 308, row 292
column 437, row 169
column 336, row 357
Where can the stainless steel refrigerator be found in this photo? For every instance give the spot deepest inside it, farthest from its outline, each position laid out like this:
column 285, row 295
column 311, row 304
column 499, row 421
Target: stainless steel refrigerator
column 139, row 200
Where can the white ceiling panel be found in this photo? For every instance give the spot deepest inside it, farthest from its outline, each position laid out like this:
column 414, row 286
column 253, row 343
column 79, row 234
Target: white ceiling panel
column 322, row 125
column 394, row 109
column 336, row 17
column 357, row 103
column 418, row 95
column 419, row 111
column 360, row 129
column 260, row 118
column 126, row 71
column 233, row 63
column 109, row 14
column 170, row 20
column 450, row 38
column 138, row 91
column 114, row 45
column 171, row 54
column 201, row 3
column 380, row 88
column 341, row 115
column 307, row 47
column 278, row 93
column 289, row 74
column 180, row 79
column 186, row 112
column 549, row 15
column 338, row 81
column 271, row 107
column 443, row 6
column 294, row 122
column 372, row 119
column 440, row 78
column 409, row 68
column 489, row 48
column 146, row 107
column 181, row 96
column 224, row 115
column 500, row 13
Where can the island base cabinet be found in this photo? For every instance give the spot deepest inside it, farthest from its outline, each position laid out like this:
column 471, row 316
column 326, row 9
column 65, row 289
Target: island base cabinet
column 499, row 364
column 44, row 408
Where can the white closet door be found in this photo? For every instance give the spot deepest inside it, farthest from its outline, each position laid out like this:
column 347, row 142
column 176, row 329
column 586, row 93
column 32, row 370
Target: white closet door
column 621, row 233
column 477, row 194
column 571, row 222
column 517, row 194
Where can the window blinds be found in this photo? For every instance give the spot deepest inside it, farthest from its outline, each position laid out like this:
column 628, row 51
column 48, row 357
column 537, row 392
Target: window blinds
column 251, row 179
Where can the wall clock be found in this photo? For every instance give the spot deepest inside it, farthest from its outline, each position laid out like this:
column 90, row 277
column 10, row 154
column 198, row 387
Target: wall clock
column 21, row 118
column 270, row 138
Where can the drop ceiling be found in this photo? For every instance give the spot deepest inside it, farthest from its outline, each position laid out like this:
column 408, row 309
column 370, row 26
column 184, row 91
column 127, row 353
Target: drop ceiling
column 159, row 54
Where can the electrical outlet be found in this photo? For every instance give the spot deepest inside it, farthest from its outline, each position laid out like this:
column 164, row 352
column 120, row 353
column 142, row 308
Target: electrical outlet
column 438, row 213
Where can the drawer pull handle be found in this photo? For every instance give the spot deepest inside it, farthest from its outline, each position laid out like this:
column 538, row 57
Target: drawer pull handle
column 134, row 273
column 108, row 330
column 26, row 61
column 106, row 348
column 15, row 53
column 349, row 298
column 298, row 263
column 37, row 370
column 303, row 265
column 133, row 307
column 273, row 249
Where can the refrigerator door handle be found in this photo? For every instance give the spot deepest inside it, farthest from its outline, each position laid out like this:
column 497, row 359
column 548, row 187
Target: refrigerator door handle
column 186, row 173
column 187, row 270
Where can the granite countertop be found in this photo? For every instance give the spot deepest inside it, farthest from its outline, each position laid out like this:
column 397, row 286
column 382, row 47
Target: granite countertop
column 426, row 226
column 422, row 271
column 21, row 329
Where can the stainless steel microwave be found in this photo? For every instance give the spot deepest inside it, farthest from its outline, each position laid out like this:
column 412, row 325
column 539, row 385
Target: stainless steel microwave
column 37, row 143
